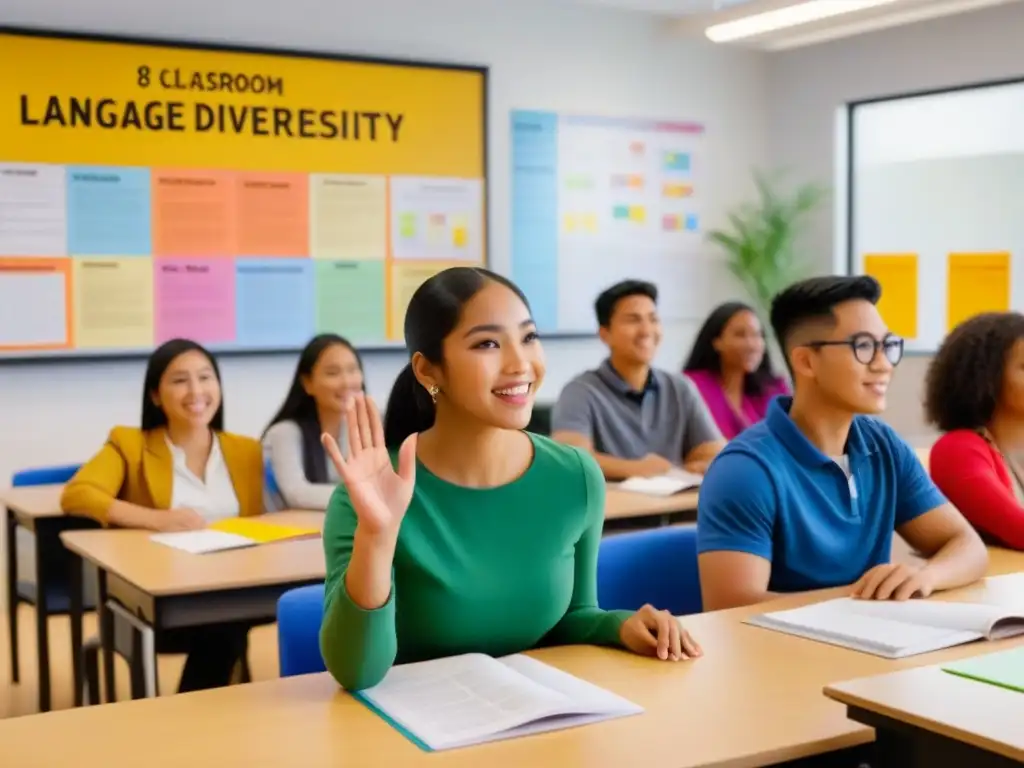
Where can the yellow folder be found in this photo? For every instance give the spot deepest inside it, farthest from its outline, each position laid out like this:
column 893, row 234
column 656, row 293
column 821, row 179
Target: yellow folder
column 260, row 531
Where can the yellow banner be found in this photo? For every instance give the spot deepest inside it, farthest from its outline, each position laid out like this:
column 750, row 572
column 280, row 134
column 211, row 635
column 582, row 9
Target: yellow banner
column 126, row 104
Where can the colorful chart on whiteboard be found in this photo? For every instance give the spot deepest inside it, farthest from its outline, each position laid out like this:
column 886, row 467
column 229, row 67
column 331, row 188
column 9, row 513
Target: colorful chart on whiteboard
column 246, row 200
column 596, row 200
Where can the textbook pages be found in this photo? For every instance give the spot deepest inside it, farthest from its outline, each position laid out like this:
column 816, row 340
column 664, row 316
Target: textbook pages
column 895, row 629
column 473, row 698
column 669, row 484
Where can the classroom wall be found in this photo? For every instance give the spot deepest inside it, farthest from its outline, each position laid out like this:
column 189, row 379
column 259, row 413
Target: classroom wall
column 541, row 54
column 806, row 86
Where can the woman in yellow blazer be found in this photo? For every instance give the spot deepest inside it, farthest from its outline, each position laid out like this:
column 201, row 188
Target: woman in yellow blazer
column 179, row 471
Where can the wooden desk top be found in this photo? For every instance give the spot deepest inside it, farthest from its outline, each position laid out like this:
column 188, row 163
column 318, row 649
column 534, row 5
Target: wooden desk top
column 625, row 504
column 160, row 570
column 982, row 715
column 34, row 500
column 768, row 683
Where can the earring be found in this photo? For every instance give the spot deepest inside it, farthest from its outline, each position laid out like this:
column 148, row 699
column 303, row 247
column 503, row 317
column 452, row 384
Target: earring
column 434, row 389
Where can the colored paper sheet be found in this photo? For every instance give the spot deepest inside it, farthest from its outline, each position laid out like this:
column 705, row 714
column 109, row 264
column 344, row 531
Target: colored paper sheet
column 274, row 302
column 195, row 299
column 978, row 282
column 437, row 219
column 273, row 214
column 108, row 211
column 534, row 137
column 35, row 303
column 351, row 299
column 1004, row 669
column 193, row 213
column 897, row 274
column 113, row 302
column 349, row 217
column 32, row 210
column 405, row 279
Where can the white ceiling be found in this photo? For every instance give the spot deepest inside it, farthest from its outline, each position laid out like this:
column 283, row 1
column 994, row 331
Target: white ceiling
column 691, row 17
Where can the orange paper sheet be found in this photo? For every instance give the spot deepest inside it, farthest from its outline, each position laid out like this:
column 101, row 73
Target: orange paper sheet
column 977, row 283
column 193, row 213
column 273, row 214
column 897, row 274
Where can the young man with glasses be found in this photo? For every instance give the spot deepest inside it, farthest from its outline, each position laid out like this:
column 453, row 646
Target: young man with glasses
column 809, row 498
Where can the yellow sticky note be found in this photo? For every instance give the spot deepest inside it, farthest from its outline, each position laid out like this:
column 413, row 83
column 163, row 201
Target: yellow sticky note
column 637, row 213
column 590, row 222
column 570, row 223
column 977, row 283
column 460, row 237
column 897, row 274
column 113, row 302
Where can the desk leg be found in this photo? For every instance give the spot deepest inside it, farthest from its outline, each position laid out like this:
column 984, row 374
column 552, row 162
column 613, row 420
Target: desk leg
column 77, row 597
column 12, row 592
column 106, row 619
column 42, row 623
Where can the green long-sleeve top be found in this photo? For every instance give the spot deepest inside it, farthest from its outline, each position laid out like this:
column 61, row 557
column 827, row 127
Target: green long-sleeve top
column 494, row 570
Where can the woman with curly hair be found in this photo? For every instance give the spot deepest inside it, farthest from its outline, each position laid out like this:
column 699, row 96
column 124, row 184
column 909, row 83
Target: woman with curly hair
column 974, row 393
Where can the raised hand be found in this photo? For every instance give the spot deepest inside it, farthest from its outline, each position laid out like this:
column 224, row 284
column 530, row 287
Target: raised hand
column 379, row 495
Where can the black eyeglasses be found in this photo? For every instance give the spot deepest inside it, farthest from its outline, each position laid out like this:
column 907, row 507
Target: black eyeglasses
column 865, row 347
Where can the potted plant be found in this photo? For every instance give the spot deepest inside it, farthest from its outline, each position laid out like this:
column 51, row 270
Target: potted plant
column 761, row 236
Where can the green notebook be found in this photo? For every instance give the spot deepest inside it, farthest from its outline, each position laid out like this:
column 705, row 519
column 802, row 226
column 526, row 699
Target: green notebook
column 1005, row 669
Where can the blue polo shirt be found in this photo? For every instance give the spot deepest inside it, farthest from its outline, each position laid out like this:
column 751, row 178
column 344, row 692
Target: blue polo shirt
column 773, row 494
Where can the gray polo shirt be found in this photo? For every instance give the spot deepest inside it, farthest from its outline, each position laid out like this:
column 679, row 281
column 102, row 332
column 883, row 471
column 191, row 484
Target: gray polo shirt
column 668, row 418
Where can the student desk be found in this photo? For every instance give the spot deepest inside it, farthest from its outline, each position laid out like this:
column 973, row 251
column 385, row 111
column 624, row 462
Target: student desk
column 754, row 699
column 621, row 506
column 164, row 588
column 927, row 717
column 37, row 509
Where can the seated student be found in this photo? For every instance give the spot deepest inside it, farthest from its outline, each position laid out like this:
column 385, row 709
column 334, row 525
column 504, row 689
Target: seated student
column 328, row 375
column 180, row 471
column 974, row 392
column 809, row 498
column 485, row 539
column 731, row 369
column 636, row 420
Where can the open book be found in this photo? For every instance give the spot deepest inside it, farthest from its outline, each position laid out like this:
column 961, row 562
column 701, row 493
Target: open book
column 668, row 484
column 231, row 533
column 473, row 698
column 895, row 629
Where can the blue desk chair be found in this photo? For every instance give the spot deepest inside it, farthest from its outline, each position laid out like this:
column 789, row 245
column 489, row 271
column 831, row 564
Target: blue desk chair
column 269, row 481
column 656, row 566
column 52, row 564
column 299, row 614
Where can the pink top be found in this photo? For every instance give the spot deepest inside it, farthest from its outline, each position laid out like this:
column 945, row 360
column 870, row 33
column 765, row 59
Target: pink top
column 752, row 408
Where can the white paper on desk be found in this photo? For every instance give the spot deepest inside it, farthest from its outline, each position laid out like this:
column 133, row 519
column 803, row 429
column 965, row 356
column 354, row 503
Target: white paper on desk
column 668, row 484
column 202, row 542
column 473, row 698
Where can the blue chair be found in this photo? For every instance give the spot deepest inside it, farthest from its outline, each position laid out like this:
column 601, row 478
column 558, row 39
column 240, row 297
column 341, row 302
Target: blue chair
column 268, row 478
column 299, row 614
column 52, row 564
column 656, row 566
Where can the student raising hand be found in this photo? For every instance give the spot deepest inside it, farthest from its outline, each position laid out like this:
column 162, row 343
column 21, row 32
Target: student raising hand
column 379, row 495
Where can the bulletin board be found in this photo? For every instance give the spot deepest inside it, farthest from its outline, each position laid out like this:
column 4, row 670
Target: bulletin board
column 601, row 198
column 934, row 184
column 243, row 198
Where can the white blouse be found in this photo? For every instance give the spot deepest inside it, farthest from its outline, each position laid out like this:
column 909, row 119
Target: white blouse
column 214, row 498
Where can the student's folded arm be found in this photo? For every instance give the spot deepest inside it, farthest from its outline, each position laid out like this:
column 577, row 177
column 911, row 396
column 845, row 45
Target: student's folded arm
column 735, row 520
column 358, row 640
column 283, row 442
column 94, row 488
column 584, row 622
column 703, row 439
column 963, row 471
column 934, row 528
column 572, row 423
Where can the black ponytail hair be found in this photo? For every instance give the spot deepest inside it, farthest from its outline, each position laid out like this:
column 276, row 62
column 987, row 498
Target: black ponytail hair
column 433, row 313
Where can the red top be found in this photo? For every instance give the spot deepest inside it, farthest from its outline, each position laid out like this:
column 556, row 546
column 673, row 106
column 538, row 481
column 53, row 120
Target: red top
column 972, row 474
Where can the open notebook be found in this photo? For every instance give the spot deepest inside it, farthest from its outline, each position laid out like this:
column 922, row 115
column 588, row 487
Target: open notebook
column 668, row 484
column 473, row 698
column 895, row 629
column 232, row 533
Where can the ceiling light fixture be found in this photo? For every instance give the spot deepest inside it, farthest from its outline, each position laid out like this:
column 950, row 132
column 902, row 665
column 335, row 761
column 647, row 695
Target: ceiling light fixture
column 790, row 16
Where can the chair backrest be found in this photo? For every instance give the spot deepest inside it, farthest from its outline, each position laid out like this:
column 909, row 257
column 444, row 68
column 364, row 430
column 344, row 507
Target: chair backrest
column 540, row 420
column 299, row 614
column 656, row 566
column 43, row 475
